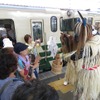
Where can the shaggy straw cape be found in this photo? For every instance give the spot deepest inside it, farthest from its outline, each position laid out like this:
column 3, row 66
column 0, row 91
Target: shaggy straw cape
column 88, row 85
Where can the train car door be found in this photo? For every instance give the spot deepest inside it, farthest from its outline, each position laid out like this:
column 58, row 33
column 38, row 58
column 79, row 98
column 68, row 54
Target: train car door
column 38, row 32
column 9, row 25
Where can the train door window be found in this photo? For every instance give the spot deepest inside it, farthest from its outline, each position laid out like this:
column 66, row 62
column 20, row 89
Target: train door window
column 37, row 30
column 53, row 23
column 10, row 28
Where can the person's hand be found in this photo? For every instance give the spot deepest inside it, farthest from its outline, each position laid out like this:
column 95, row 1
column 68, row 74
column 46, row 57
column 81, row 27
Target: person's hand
column 37, row 59
column 38, row 41
column 35, row 65
column 59, row 50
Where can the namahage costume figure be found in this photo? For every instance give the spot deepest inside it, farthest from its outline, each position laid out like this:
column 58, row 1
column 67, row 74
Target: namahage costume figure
column 83, row 67
column 68, row 49
column 88, row 79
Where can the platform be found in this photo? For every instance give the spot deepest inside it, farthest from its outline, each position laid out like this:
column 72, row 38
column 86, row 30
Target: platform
column 58, row 85
column 56, row 81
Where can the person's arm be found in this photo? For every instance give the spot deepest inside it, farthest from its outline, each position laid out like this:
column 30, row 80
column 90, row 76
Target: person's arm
column 37, row 59
column 23, row 75
column 21, row 70
column 35, row 65
column 36, row 42
column 75, row 56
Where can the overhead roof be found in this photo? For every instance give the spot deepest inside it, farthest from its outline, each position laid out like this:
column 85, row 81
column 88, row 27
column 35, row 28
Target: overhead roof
column 92, row 5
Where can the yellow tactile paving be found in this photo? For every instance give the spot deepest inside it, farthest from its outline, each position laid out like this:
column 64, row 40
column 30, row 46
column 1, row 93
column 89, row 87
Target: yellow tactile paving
column 67, row 88
column 58, row 85
column 54, row 85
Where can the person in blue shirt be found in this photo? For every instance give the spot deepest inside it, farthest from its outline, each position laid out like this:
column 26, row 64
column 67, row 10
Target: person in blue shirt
column 8, row 81
column 23, row 62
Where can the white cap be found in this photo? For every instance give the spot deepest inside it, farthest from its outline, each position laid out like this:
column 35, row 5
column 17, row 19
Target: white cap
column 7, row 43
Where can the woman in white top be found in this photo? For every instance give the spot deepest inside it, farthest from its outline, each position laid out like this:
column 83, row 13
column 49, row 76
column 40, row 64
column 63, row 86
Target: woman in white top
column 32, row 47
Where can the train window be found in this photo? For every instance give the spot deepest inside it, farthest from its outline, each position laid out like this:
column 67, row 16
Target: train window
column 68, row 24
column 90, row 20
column 37, row 30
column 53, row 23
column 62, row 26
column 10, row 28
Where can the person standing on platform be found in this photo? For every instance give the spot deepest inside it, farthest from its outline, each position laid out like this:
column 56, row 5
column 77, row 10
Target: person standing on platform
column 32, row 48
column 8, row 81
column 23, row 62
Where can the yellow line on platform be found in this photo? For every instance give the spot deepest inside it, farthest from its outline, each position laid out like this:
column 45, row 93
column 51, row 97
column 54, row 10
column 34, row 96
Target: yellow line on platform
column 58, row 85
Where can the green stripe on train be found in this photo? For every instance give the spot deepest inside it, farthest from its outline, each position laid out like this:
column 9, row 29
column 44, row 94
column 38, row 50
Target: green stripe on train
column 48, row 53
column 45, row 65
column 43, row 54
column 45, row 47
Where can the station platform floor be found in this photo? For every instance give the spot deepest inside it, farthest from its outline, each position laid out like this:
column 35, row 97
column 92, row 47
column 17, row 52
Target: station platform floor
column 56, row 81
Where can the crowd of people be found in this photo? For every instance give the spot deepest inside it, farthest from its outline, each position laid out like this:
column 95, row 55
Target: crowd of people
column 19, row 69
column 24, row 52
column 13, row 88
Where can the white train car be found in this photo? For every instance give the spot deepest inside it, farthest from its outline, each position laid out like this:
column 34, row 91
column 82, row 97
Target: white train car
column 25, row 19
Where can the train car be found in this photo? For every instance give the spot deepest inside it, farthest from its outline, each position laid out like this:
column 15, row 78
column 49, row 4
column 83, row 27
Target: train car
column 39, row 22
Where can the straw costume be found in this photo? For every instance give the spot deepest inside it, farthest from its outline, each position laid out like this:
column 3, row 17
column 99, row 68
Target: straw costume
column 69, row 44
column 88, row 83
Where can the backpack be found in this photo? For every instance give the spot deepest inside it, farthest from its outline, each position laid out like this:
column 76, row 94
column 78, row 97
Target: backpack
column 6, row 85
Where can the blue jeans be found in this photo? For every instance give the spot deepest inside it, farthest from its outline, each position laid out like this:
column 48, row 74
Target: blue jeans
column 35, row 72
